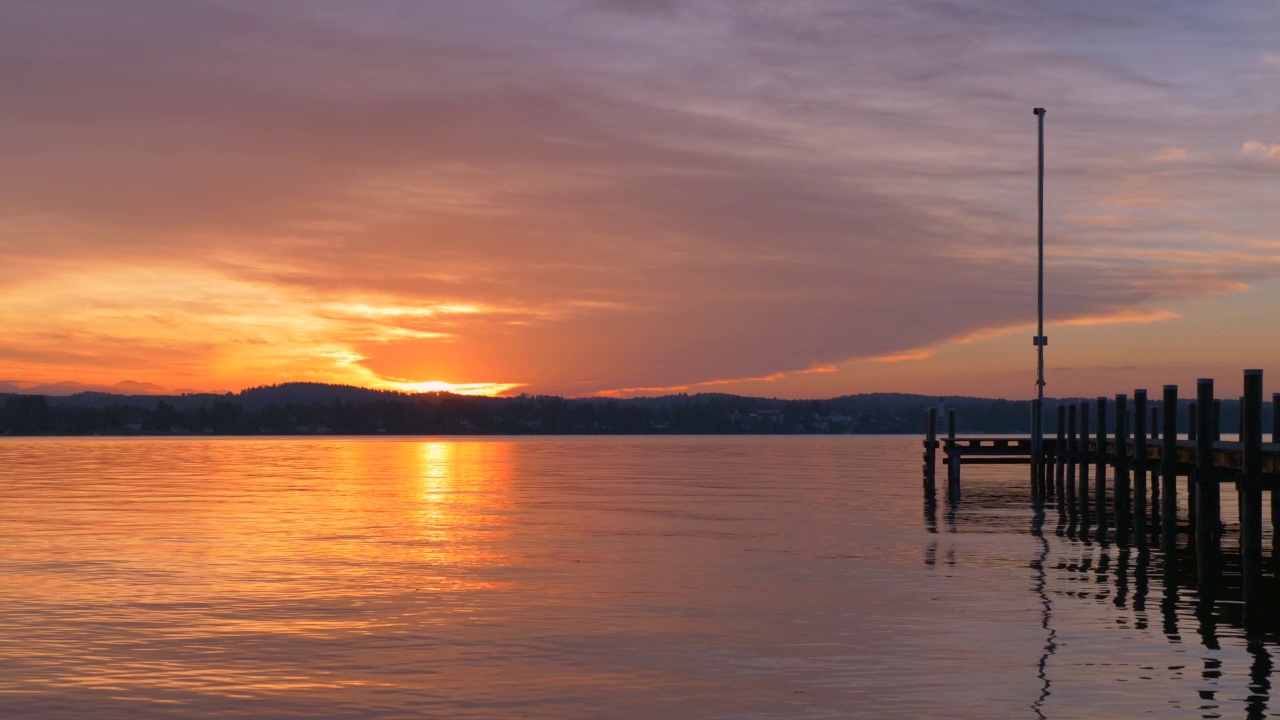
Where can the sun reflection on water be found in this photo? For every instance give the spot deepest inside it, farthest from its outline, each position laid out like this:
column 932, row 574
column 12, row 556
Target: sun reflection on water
column 208, row 568
column 462, row 502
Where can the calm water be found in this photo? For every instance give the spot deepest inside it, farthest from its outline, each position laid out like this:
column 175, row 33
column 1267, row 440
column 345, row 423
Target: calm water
column 719, row 577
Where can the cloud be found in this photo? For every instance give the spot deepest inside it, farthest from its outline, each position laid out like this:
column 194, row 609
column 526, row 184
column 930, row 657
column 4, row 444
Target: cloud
column 660, row 197
column 640, row 7
column 1123, row 316
column 1113, row 317
column 1170, row 154
column 902, row 356
column 1253, row 148
column 1111, row 222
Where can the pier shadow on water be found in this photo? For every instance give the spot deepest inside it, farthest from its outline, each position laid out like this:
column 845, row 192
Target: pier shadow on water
column 1152, row 585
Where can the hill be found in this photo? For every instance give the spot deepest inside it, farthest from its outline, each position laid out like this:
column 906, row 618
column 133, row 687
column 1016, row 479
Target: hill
column 315, row 408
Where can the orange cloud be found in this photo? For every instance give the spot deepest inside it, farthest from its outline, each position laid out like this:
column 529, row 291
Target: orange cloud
column 1253, row 148
column 192, row 327
column 636, row 391
column 902, row 356
column 643, row 391
column 1126, row 315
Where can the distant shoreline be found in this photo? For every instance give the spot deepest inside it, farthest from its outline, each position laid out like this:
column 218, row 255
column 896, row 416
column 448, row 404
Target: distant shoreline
column 310, row 409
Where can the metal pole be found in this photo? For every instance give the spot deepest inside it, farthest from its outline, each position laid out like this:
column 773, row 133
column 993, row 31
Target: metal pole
column 1037, row 413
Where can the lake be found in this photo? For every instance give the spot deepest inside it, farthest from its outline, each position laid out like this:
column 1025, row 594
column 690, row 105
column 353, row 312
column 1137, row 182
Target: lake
column 576, row 577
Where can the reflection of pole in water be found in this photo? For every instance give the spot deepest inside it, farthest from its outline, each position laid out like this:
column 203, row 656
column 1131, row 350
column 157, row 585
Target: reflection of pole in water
column 951, row 529
column 1122, row 578
column 1046, row 607
column 1208, row 629
column 1100, row 572
column 1169, row 600
column 931, row 526
column 1142, row 586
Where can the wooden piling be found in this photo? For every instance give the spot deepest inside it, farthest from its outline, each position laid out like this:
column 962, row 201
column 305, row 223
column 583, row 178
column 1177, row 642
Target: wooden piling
column 1169, row 467
column 1121, row 504
column 1060, row 459
column 1275, row 496
column 1072, row 453
column 1139, row 466
column 953, row 459
column 1154, row 476
column 1064, row 471
column 1240, row 419
column 1204, row 485
column 1249, row 483
column 1194, row 430
column 930, row 451
column 1082, row 496
column 1100, row 466
column 1275, row 417
column 1239, row 437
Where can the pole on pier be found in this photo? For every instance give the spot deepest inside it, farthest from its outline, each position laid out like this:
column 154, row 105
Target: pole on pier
column 1037, row 408
column 1140, row 466
column 1155, row 422
column 1100, row 467
column 930, row 452
column 1250, row 482
column 1072, row 452
column 1120, row 505
column 1169, row 468
column 1084, row 463
column 1202, row 480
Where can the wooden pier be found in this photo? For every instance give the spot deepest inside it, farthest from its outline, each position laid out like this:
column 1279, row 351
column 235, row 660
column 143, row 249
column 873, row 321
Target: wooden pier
column 1146, row 461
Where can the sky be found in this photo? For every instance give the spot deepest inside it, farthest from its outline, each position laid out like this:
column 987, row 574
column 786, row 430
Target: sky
column 808, row 198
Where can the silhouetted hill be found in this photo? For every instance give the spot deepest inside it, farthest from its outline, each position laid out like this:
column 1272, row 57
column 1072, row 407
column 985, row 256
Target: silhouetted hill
column 316, row 408
column 304, row 392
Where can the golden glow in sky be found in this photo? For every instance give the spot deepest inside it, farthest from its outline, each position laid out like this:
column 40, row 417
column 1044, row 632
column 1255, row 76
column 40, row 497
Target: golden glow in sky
column 631, row 197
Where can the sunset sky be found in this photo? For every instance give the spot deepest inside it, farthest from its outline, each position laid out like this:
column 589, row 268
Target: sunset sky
column 796, row 199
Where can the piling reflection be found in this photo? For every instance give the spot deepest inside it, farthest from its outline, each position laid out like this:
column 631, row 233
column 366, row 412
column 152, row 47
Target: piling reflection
column 1199, row 588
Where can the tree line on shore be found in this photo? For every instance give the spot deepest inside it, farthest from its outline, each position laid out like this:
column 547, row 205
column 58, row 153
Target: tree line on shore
column 311, row 408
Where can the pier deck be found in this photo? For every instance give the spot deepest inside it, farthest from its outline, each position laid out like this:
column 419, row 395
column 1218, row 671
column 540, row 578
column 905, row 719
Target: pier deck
column 1227, row 459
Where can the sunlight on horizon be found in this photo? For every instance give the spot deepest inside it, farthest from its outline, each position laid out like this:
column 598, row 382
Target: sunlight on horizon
column 482, row 389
